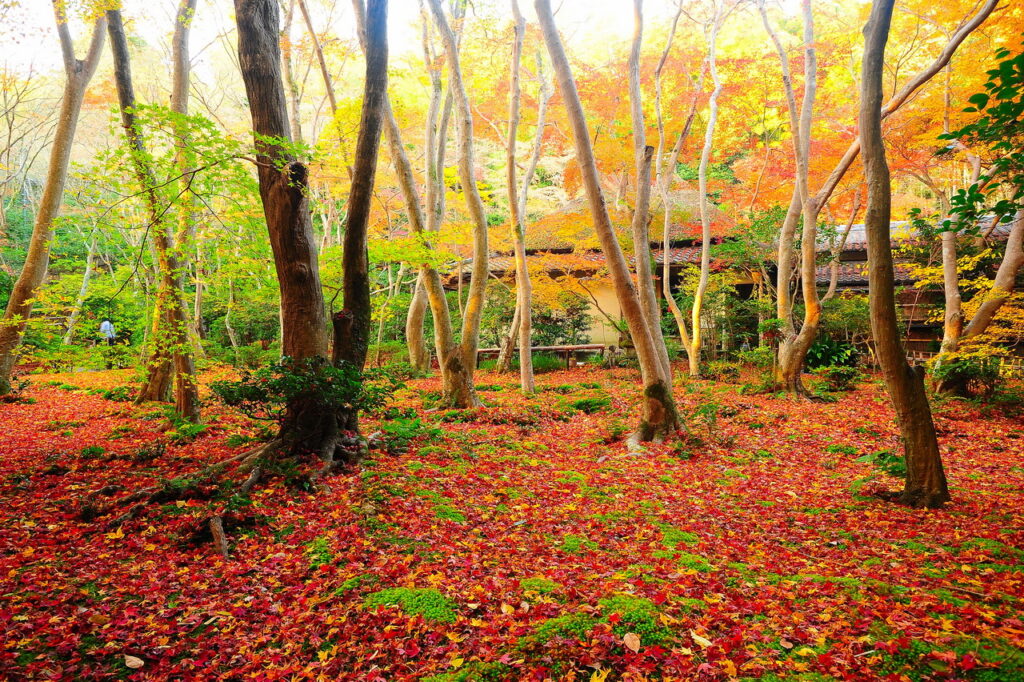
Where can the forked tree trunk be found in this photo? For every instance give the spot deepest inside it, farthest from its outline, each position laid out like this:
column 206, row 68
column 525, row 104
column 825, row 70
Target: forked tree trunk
column 926, row 480
column 659, row 419
column 78, row 73
column 76, row 311
column 170, row 340
column 419, row 355
column 356, row 313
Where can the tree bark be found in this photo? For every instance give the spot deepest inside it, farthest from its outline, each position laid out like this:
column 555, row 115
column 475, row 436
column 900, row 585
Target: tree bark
column 524, row 289
column 659, row 419
column 76, row 311
column 283, row 183
column 78, row 73
column 1004, row 281
column 464, row 126
column 925, row 484
column 694, row 349
column 643, row 157
column 355, row 259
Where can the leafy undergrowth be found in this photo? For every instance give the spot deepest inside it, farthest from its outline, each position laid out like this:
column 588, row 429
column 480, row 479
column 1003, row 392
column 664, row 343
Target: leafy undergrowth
column 519, row 542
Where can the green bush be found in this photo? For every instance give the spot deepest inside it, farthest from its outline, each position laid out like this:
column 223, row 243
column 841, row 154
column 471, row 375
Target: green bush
column 722, row 370
column 839, row 378
column 430, row 604
column 761, row 357
column 968, row 375
column 637, row 615
column 887, row 462
column 827, row 352
column 265, row 393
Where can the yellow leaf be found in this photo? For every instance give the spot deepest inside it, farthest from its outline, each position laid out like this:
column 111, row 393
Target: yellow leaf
column 116, row 535
column 507, row 609
column 632, row 641
column 457, row 662
column 600, row 675
column 703, row 641
column 729, row 667
column 806, row 651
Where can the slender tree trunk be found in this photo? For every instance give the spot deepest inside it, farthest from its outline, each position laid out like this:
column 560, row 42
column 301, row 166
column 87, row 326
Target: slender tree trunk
column 926, row 481
column 793, row 350
column 352, row 323
column 524, row 289
column 643, row 157
column 83, row 290
column 171, row 342
column 666, row 171
column 1004, row 281
column 837, row 250
column 37, row 259
column 288, row 66
column 228, row 325
column 659, row 419
column 509, row 341
column 694, row 349
column 474, row 204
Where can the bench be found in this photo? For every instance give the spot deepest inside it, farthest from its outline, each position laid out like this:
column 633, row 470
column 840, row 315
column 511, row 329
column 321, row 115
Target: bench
column 567, row 351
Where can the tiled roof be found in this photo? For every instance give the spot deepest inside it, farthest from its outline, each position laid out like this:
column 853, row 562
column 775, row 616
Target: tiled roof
column 855, row 274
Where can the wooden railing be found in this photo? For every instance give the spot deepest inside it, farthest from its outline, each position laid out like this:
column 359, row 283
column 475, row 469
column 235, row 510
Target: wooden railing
column 568, row 351
column 1008, row 367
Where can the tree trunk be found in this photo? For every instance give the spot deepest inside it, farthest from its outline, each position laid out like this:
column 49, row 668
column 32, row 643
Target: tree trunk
column 76, row 311
column 509, row 341
column 517, row 205
column 1004, row 281
column 643, row 156
column 659, row 419
column 419, row 356
column 283, row 183
column 37, row 259
column 474, row 204
column 694, row 349
column 355, row 259
column 171, row 341
column 926, row 480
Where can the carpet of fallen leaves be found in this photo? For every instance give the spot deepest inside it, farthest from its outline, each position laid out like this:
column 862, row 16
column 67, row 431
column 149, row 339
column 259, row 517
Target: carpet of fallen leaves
column 530, row 543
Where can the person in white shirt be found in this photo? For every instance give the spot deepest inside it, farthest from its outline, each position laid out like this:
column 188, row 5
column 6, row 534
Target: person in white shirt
column 108, row 332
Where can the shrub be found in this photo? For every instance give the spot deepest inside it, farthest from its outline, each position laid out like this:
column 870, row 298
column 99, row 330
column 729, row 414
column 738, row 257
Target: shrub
column 121, row 394
column 401, row 432
column 571, row 626
column 827, row 352
column 839, row 378
column 430, row 604
column 761, row 357
column 539, row 584
column 722, row 370
column 265, row 393
column 968, row 375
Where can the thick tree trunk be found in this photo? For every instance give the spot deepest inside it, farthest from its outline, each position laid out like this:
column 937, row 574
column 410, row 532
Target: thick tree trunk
column 37, row 259
column 659, row 419
column 170, row 342
column 926, row 480
column 283, row 183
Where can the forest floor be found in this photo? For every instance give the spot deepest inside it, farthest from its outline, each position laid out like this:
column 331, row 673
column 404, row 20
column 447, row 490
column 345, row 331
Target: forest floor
column 520, row 542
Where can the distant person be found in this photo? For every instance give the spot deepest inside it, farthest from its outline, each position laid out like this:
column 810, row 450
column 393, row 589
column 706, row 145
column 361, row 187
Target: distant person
column 745, row 347
column 108, row 332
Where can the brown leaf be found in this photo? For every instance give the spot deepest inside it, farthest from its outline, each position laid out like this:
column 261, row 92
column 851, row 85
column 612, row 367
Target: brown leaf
column 133, row 662
column 632, row 641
